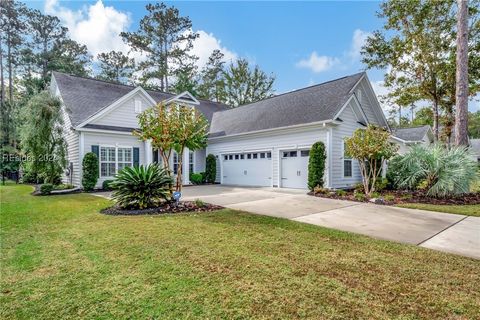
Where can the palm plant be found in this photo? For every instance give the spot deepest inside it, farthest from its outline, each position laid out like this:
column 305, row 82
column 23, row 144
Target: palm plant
column 439, row 170
column 141, row 187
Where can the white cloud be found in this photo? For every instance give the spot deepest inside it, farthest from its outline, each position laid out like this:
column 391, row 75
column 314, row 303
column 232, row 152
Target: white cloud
column 318, row 63
column 97, row 26
column 204, row 45
column 358, row 40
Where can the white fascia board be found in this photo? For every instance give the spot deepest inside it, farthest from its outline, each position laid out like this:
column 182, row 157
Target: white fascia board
column 179, row 98
column 378, row 108
column 103, row 131
column 354, row 98
column 116, row 104
column 407, row 142
column 274, row 130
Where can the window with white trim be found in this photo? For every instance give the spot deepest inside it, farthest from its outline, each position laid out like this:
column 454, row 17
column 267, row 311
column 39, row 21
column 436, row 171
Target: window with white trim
column 347, row 163
column 190, row 162
column 113, row 159
column 124, row 158
column 175, row 162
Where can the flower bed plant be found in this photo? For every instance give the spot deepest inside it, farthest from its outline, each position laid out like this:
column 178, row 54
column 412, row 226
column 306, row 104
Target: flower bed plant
column 165, row 208
column 393, row 197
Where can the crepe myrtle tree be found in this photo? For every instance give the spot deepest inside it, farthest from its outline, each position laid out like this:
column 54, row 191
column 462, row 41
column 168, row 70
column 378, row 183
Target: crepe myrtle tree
column 371, row 147
column 173, row 127
column 191, row 131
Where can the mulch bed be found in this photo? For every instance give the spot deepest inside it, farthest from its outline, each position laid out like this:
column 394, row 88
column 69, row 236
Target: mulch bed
column 166, row 208
column 401, row 196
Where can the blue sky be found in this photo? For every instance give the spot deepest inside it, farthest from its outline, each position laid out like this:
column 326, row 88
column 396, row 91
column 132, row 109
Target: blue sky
column 302, row 43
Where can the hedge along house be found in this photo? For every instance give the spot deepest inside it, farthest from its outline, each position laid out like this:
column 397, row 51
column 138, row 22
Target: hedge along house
column 265, row 143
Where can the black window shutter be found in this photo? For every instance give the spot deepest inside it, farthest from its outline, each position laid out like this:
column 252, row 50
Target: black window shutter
column 155, row 155
column 136, row 156
column 95, row 149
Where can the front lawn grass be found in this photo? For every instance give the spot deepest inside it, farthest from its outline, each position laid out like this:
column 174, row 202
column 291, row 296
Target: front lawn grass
column 468, row 210
column 60, row 259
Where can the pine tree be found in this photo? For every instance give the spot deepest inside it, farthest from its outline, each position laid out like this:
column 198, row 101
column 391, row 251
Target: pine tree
column 165, row 38
column 116, row 66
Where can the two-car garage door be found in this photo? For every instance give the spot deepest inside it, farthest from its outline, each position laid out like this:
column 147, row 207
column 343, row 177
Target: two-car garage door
column 256, row 169
column 248, row 169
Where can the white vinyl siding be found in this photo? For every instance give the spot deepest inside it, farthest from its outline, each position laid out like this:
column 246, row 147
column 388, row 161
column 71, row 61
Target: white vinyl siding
column 72, row 139
column 364, row 95
column 200, row 158
column 125, row 115
column 274, row 142
column 345, row 129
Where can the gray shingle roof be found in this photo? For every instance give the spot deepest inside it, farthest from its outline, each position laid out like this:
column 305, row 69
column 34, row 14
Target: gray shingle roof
column 316, row 103
column 411, row 134
column 84, row 97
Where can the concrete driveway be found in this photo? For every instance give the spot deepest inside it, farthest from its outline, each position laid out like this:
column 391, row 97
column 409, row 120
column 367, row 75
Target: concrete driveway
column 440, row 231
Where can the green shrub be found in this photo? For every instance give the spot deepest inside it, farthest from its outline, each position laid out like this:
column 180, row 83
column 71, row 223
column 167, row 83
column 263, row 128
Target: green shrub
column 106, row 185
column 389, row 197
column 199, row 203
column 320, row 190
column 341, row 193
column 196, row 178
column 204, row 177
column 29, row 177
column 359, row 188
column 141, row 187
column 316, row 165
column 381, row 184
column 90, row 171
column 440, row 171
column 46, row 188
column 374, row 195
column 359, row 196
column 211, row 169
column 63, row 186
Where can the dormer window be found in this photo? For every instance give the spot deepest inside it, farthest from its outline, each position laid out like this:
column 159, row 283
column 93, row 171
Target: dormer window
column 138, row 106
column 359, row 95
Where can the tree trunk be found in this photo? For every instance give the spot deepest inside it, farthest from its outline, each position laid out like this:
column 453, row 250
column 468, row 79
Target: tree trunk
column 461, row 119
column 10, row 69
column 399, row 116
column 435, row 119
column 2, row 83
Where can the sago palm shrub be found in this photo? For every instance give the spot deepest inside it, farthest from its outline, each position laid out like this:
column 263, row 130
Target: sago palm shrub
column 436, row 169
column 141, row 187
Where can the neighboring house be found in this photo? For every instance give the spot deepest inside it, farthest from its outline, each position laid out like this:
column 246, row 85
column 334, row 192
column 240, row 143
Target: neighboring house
column 265, row 143
column 406, row 137
column 475, row 148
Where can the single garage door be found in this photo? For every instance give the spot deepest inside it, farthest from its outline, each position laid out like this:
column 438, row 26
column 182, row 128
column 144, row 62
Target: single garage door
column 295, row 168
column 248, row 169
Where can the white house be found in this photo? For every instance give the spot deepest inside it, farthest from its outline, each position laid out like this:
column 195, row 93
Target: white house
column 265, row 143
column 407, row 137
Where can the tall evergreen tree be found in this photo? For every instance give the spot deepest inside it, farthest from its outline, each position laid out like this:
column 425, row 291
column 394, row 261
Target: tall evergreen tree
column 52, row 50
column 212, row 86
column 186, row 78
column 116, row 66
column 244, row 84
column 165, row 38
column 12, row 32
column 47, row 32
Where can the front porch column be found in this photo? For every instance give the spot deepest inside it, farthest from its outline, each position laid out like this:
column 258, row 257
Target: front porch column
column 186, row 166
column 148, row 152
